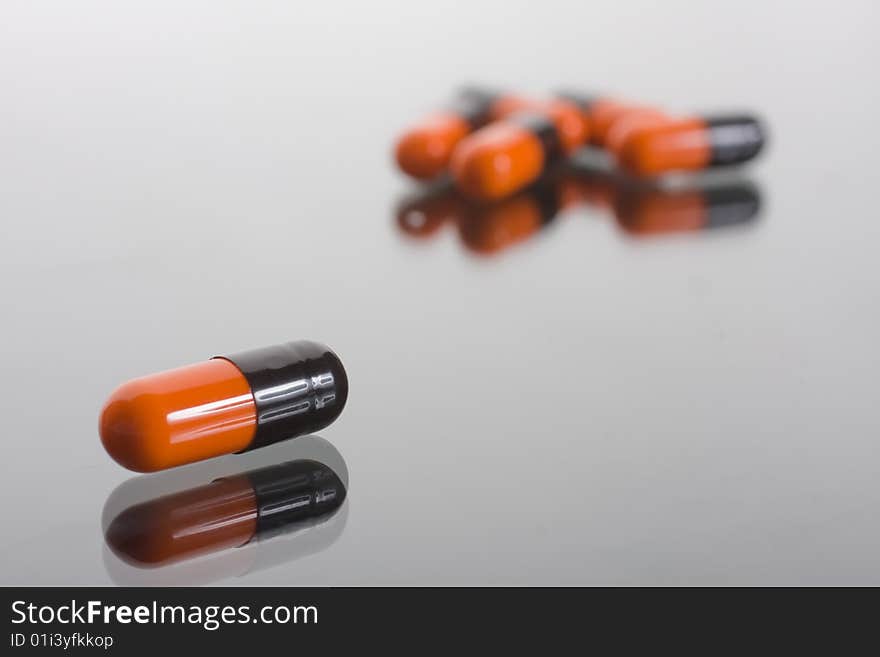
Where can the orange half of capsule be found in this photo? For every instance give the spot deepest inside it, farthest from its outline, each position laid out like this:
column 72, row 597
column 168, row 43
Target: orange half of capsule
column 424, row 150
column 497, row 161
column 681, row 145
column 179, row 416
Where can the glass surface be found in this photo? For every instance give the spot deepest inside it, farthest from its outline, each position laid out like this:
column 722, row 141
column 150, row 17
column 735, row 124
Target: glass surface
column 586, row 405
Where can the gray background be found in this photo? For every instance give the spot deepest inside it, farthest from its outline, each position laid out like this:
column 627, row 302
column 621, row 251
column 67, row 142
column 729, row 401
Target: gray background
column 182, row 179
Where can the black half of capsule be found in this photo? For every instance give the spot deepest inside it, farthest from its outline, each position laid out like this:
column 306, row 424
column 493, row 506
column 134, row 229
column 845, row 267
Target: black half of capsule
column 291, row 493
column 545, row 130
column 732, row 204
column 474, row 105
column 734, row 139
column 298, row 387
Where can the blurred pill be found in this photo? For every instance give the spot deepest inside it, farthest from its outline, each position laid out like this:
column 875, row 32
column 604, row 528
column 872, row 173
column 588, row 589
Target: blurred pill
column 692, row 144
column 508, row 155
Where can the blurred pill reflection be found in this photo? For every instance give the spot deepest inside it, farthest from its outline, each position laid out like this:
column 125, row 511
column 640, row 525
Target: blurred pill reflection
column 640, row 208
column 215, row 520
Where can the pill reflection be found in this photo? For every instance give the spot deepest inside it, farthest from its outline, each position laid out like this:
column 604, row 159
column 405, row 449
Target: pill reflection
column 640, row 208
column 199, row 532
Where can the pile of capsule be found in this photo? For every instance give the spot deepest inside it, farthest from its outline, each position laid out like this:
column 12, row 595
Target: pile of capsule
column 496, row 144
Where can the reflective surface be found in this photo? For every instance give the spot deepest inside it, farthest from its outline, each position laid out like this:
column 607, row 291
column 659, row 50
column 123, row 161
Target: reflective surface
column 587, row 405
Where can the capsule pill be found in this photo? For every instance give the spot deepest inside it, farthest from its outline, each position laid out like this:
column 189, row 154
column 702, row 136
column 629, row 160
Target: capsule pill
column 692, row 144
column 511, row 154
column 223, row 405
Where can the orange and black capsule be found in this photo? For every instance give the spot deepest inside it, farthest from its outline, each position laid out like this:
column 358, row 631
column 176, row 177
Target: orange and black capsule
column 508, row 155
column 223, row 405
column 424, row 150
column 692, row 144
column 226, row 513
